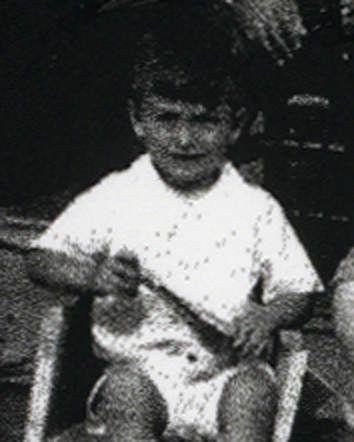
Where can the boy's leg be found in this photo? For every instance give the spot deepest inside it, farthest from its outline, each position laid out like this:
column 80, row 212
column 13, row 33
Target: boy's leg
column 247, row 405
column 126, row 407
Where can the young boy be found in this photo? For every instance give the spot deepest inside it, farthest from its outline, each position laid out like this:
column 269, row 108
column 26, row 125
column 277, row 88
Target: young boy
column 173, row 249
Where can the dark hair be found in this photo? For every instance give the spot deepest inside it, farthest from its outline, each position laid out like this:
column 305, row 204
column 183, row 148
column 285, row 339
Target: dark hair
column 194, row 53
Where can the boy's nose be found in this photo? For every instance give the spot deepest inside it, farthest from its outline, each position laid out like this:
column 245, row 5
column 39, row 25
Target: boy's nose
column 184, row 136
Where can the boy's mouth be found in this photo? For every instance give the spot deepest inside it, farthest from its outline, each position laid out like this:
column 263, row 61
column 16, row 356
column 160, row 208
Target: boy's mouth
column 188, row 156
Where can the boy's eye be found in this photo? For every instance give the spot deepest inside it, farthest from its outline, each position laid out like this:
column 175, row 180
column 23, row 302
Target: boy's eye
column 205, row 119
column 167, row 117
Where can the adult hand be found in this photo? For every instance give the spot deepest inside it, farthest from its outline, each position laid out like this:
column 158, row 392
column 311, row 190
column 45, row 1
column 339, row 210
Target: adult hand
column 254, row 331
column 119, row 274
column 276, row 24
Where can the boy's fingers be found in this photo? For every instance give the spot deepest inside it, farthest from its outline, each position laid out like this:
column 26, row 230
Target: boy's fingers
column 114, row 275
column 254, row 345
column 241, row 338
column 253, row 349
column 114, row 285
column 128, row 258
column 125, row 270
column 122, row 282
column 246, row 350
column 260, row 348
column 238, row 343
column 104, row 287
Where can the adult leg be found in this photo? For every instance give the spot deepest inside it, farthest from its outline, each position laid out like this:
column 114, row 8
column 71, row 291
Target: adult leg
column 343, row 304
column 247, row 405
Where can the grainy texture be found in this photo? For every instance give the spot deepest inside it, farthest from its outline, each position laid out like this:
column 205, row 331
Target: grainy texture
column 156, row 269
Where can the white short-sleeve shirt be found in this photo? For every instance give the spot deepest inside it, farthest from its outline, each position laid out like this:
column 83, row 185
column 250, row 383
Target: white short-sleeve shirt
column 209, row 249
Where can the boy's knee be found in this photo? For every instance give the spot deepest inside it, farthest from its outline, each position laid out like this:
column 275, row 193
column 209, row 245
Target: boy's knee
column 128, row 401
column 250, row 395
column 252, row 378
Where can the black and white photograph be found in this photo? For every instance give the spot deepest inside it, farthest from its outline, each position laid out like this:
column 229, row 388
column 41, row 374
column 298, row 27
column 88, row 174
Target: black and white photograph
column 176, row 221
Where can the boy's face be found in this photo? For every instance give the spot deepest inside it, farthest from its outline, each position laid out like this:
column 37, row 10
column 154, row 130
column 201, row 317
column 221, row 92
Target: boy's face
column 187, row 141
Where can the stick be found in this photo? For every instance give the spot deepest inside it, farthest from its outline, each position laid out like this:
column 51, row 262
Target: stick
column 294, row 368
column 46, row 360
column 151, row 282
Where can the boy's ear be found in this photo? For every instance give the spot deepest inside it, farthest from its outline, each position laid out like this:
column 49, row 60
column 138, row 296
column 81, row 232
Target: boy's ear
column 134, row 119
column 240, row 119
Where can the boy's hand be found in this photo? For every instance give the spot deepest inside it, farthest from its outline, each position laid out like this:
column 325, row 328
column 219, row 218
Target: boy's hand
column 118, row 274
column 254, row 331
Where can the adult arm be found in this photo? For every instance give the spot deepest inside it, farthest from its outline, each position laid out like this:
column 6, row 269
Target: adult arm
column 343, row 303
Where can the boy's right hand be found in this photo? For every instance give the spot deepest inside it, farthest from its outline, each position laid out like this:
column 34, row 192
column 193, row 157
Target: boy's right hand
column 119, row 274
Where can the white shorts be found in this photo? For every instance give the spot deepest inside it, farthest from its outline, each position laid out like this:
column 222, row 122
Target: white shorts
column 192, row 404
column 185, row 374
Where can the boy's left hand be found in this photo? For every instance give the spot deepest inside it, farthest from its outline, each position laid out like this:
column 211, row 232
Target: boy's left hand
column 254, row 331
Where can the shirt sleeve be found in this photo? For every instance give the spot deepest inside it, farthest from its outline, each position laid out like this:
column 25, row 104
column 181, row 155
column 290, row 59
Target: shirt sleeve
column 80, row 230
column 285, row 265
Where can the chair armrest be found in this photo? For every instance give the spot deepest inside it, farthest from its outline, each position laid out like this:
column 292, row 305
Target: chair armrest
column 291, row 366
column 65, row 370
column 46, row 361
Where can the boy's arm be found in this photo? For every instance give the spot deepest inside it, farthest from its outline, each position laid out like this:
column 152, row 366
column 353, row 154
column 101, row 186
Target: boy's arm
column 96, row 275
column 68, row 254
column 65, row 256
column 58, row 270
column 289, row 310
column 289, row 283
column 259, row 323
column 288, row 275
